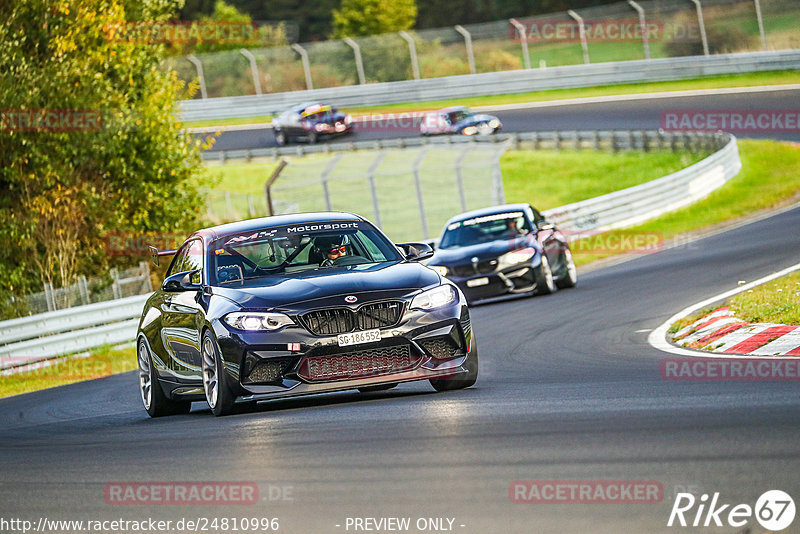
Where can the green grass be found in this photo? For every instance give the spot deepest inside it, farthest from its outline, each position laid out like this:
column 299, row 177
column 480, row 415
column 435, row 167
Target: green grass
column 100, row 362
column 710, row 82
column 770, row 178
column 551, row 179
column 777, row 301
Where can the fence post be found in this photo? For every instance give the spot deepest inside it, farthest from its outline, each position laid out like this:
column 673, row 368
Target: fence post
column 228, row 207
column 643, row 25
column 373, row 188
column 116, row 291
column 462, row 197
column 412, row 50
column 524, row 38
column 468, row 43
column 702, row 25
column 418, row 186
column 250, row 205
column 199, row 66
column 326, row 194
column 498, row 193
column 306, row 64
column 760, row 25
column 359, row 63
column 49, row 297
column 83, row 287
column 268, row 185
column 144, row 267
column 253, row 68
column 582, row 31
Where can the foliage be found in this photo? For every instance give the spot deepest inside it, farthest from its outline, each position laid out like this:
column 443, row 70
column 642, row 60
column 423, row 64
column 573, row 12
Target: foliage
column 130, row 171
column 356, row 18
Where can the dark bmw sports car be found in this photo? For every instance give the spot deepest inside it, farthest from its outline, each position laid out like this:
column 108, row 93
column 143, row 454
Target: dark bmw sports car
column 310, row 122
column 295, row 305
column 504, row 251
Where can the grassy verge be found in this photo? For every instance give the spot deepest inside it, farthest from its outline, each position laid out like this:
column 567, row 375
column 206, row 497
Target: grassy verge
column 770, row 178
column 711, row 82
column 777, row 301
column 100, row 362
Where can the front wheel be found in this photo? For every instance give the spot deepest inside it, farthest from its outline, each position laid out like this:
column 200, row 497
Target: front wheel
column 155, row 402
column 570, row 276
column 544, row 278
column 219, row 396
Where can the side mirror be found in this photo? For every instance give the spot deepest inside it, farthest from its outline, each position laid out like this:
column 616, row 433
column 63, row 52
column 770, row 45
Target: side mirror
column 181, row 282
column 416, row 251
column 545, row 225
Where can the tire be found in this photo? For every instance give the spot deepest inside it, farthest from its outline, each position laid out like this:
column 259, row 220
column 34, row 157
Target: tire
column 544, row 278
column 280, row 138
column 570, row 276
column 156, row 404
column 463, row 380
column 219, row 396
column 382, row 387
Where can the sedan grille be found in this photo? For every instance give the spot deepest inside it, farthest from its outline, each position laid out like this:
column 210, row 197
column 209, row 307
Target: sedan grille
column 441, row 348
column 332, row 321
column 468, row 269
column 358, row 364
column 268, row 370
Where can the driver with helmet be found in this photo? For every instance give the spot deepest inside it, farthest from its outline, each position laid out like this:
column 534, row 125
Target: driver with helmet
column 331, row 248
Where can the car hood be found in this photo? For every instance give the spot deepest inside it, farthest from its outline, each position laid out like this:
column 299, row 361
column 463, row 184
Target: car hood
column 329, row 286
column 476, row 119
column 482, row 251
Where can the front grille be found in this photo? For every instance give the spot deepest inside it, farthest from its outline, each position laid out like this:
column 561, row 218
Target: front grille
column 332, row 321
column 358, row 364
column 268, row 370
column 481, row 267
column 379, row 315
column 441, row 348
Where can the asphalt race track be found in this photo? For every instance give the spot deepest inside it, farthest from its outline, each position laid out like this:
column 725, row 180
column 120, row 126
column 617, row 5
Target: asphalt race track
column 623, row 115
column 569, row 389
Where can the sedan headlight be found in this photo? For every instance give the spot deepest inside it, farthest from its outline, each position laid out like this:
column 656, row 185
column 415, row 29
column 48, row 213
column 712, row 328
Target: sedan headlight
column 434, row 298
column 441, row 269
column 257, row 320
column 494, row 123
column 515, row 257
column 470, row 130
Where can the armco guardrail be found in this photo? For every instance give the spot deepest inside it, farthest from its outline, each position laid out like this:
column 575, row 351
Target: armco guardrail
column 516, row 81
column 42, row 336
column 85, row 327
column 645, row 201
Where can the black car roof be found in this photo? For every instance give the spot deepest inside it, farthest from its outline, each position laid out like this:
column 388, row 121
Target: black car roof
column 488, row 211
column 276, row 220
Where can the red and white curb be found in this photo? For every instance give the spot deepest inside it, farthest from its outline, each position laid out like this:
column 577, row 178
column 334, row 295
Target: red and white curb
column 772, row 338
column 721, row 332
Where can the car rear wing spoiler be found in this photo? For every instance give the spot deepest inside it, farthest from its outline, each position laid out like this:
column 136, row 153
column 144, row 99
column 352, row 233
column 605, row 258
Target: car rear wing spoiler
column 155, row 253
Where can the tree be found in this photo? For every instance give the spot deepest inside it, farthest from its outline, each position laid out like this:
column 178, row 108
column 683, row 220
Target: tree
column 89, row 141
column 356, row 18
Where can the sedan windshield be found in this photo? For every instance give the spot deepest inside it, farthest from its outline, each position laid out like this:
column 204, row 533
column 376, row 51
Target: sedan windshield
column 298, row 248
column 484, row 229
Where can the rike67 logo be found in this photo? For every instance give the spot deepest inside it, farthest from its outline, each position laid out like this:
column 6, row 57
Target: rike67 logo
column 774, row 511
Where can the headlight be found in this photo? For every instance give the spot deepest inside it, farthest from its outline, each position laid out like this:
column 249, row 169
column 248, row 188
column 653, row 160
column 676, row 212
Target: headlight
column 494, row 123
column 348, row 120
column 322, row 127
column 257, row 320
column 434, row 298
column 515, row 257
column 470, row 130
column 441, row 269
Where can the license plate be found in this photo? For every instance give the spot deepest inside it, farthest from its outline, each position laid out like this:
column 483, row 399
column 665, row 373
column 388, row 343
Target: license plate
column 478, row 282
column 356, row 338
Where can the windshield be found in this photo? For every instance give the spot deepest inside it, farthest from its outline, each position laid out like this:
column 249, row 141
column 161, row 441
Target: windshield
column 298, row 248
column 484, row 229
column 458, row 115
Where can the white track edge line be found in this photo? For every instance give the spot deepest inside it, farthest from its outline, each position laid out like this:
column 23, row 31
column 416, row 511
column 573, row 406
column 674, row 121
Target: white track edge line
column 658, row 337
